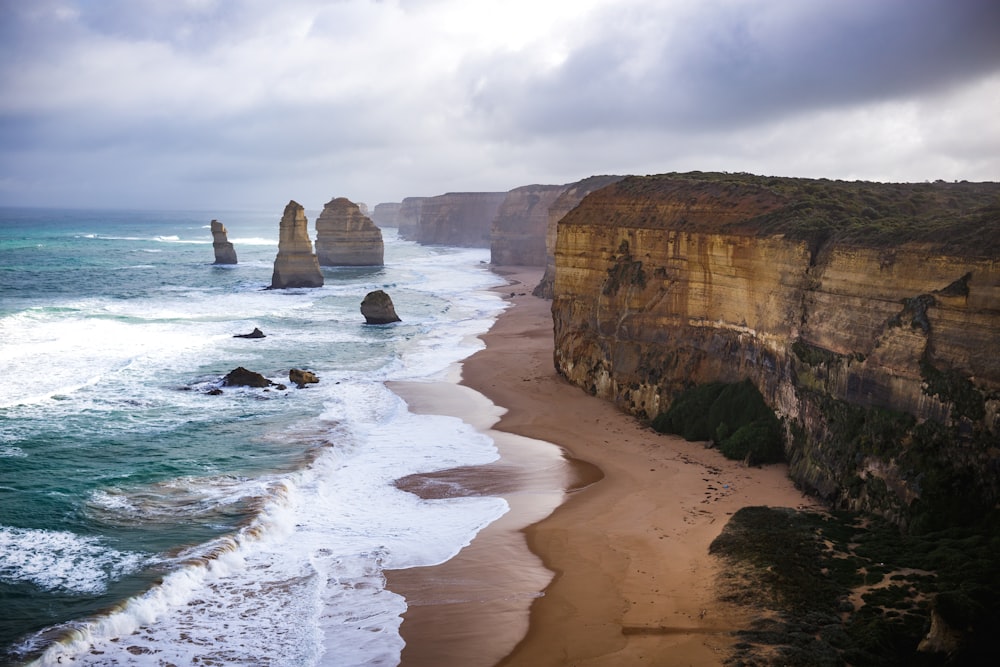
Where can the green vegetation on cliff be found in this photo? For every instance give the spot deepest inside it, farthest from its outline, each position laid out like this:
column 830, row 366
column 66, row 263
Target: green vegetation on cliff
column 733, row 415
column 959, row 217
column 853, row 590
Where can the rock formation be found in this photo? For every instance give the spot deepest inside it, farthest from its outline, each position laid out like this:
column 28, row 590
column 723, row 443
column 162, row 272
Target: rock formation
column 386, row 214
column 517, row 235
column 241, row 377
column 346, row 237
column 256, row 333
column 567, row 201
column 295, row 265
column 378, row 309
column 868, row 315
column 301, row 378
column 460, row 219
column 225, row 253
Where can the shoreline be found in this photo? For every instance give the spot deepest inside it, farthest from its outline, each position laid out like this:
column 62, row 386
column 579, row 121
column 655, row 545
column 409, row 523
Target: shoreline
column 603, row 556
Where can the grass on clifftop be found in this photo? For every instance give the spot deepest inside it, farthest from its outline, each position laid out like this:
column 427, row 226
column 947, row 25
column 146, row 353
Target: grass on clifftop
column 957, row 217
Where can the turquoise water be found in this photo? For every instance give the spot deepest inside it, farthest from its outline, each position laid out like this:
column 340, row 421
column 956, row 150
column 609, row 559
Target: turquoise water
column 142, row 516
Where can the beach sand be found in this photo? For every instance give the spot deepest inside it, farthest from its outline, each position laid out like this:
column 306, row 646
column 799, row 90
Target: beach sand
column 603, row 557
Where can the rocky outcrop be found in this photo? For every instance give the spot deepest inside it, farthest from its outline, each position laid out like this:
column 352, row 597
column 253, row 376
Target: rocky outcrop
column 566, row 202
column 241, row 377
column 460, row 219
column 386, row 214
column 868, row 315
column 256, row 333
column 301, row 378
column 225, row 253
column 347, row 237
column 517, row 235
column 295, row 264
column 378, row 309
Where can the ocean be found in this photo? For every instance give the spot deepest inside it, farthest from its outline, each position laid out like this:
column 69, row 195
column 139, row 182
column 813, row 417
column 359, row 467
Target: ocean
column 147, row 521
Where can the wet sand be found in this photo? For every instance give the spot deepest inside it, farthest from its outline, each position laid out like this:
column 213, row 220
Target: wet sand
column 603, row 557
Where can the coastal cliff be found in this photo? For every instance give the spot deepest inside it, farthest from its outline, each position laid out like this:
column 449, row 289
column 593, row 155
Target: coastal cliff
column 345, row 236
column 461, row 219
column 867, row 315
column 568, row 199
column 386, row 214
column 225, row 253
column 517, row 236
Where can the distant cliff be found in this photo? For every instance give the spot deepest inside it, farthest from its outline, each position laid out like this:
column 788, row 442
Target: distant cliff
column 457, row 218
column 386, row 214
column 868, row 315
column 517, row 235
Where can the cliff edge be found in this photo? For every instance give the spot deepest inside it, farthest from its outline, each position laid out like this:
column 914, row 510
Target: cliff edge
column 867, row 314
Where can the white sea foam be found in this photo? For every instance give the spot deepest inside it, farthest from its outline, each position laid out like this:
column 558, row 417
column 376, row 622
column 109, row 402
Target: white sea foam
column 60, row 560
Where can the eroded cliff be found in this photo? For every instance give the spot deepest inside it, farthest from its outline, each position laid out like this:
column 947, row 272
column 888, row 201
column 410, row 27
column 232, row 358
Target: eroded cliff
column 457, row 218
column 345, row 236
column 868, row 315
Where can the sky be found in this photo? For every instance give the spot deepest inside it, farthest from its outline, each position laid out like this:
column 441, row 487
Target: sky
column 246, row 104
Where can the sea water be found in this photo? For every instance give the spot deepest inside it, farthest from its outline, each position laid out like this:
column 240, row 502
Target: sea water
column 147, row 521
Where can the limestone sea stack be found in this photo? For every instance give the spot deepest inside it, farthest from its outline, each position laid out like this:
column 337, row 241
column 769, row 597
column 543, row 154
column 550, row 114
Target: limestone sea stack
column 296, row 264
column 378, row 309
column 345, row 236
column 225, row 253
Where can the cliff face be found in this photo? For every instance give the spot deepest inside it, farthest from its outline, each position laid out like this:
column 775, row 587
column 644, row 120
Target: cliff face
column 876, row 344
column 295, row 264
column 517, row 236
column 225, row 253
column 458, row 218
column 568, row 199
column 346, row 237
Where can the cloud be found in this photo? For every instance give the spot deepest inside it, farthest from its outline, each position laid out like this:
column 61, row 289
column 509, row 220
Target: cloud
column 203, row 103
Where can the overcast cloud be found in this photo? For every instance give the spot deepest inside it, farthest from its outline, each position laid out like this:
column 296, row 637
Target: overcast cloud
column 220, row 104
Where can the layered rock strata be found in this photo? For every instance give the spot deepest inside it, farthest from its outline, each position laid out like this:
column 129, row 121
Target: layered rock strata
column 566, row 202
column 225, row 253
column 517, row 235
column 296, row 264
column 347, row 237
column 868, row 315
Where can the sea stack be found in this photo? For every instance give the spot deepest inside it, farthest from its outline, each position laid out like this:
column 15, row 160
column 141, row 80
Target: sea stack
column 295, row 265
column 378, row 309
column 225, row 253
column 345, row 236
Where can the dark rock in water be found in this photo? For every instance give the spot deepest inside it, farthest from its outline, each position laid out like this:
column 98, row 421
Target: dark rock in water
column 225, row 253
column 214, row 392
column 241, row 377
column 378, row 309
column 296, row 264
column 256, row 333
column 302, row 378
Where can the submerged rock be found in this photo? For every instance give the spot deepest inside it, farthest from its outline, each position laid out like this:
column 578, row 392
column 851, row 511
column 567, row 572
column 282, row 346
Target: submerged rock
column 378, row 309
column 225, row 253
column 296, row 264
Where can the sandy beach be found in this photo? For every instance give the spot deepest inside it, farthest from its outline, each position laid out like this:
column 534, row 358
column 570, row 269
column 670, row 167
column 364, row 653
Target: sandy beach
column 603, row 557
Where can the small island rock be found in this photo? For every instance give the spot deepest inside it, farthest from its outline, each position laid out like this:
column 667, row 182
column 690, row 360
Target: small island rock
column 225, row 253
column 256, row 333
column 302, row 378
column 241, row 377
column 378, row 309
